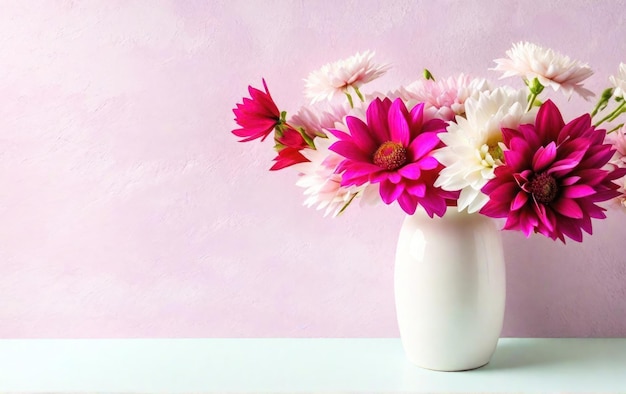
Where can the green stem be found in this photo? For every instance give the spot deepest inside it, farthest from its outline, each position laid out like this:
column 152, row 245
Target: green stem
column 531, row 100
column 619, row 126
column 596, row 109
column 603, row 101
column 616, row 112
column 358, row 93
column 346, row 204
column 306, row 138
column 349, row 99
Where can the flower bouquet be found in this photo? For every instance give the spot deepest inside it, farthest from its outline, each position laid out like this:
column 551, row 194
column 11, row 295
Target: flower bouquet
column 444, row 147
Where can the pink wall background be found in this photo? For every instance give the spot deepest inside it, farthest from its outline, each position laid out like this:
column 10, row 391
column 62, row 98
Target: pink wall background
column 127, row 208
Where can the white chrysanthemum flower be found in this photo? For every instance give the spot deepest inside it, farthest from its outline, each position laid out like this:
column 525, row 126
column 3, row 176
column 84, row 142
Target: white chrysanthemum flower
column 474, row 143
column 335, row 78
column 316, row 120
column 619, row 81
column 551, row 68
column 445, row 98
column 322, row 185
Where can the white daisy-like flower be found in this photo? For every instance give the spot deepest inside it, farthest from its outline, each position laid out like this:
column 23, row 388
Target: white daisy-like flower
column 335, row 78
column 551, row 68
column 445, row 98
column 619, row 81
column 474, row 143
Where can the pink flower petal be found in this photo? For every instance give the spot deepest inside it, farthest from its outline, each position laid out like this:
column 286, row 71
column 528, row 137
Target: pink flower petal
column 288, row 157
column 361, row 134
column 542, row 216
column 567, row 207
column 502, row 177
column 504, row 192
column 435, row 126
column 571, row 228
column 514, row 159
column 495, row 209
column 577, row 191
column 549, row 122
column 434, row 206
column 363, row 169
column 528, row 133
column 549, row 220
column 598, row 159
column 563, row 166
column 377, row 120
column 418, row 189
column 349, row 150
column 428, row 163
column 417, row 119
column 408, row 203
column 570, row 180
column 592, row 210
column 508, row 134
column 349, row 179
column 575, row 128
column 544, row 157
column 389, row 191
column 411, row 171
column 585, row 224
column 293, row 139
column 422, row 145
column 520, row 146
column 394, row 177
column 527, row 222
column 522, row 180
column 512, row 222
column 398, row 125
column 343, row 136
column 519, row 201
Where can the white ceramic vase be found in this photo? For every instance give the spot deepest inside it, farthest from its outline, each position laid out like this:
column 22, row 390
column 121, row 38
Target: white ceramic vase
column 449, row 289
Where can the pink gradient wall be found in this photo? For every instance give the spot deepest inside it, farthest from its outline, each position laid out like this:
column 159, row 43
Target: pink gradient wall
column 127, row 208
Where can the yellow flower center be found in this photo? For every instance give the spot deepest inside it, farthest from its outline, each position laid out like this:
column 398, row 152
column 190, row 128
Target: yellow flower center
column 390, row 155
column 496, row 152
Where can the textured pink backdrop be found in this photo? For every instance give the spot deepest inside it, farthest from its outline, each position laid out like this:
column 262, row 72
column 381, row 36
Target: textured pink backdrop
column 127, row 209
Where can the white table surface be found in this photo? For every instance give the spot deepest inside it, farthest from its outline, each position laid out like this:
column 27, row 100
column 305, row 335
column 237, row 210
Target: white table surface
column 300, row 365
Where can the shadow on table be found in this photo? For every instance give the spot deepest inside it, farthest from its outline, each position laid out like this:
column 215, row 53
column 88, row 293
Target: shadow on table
column 543, row 352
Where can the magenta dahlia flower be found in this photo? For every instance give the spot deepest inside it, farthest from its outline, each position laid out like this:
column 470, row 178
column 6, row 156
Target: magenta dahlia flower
column 552, row 177
column 394, row 148
column 257, row 115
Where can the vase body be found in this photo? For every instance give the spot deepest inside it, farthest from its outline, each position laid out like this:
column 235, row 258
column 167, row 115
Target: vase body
column 449, row 283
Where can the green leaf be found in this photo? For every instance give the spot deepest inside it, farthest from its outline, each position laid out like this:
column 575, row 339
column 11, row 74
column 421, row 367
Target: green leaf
column 428, row 75
column 535, row 87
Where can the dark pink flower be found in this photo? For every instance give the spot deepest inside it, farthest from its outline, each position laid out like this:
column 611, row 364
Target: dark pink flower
column 552, row 177
column 394, row 148
column 257, row 115
column 289, row 146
